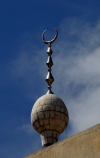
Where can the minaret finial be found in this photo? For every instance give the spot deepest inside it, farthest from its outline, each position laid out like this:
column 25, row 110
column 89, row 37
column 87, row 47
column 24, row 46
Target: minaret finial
column 49, row 115
column 49, row 78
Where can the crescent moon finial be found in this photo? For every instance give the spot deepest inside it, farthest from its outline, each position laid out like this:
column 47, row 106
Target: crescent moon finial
column 49, row 79
column 50, row 42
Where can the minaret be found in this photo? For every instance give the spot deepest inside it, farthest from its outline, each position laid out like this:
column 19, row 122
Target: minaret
column 49, row 114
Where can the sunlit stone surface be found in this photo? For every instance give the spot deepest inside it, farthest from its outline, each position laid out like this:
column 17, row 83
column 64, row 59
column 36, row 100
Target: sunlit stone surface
column 85, row 144
column 49, row 117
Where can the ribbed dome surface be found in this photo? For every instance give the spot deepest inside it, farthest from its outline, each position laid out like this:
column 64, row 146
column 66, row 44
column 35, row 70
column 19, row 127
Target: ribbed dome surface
column 49, row 113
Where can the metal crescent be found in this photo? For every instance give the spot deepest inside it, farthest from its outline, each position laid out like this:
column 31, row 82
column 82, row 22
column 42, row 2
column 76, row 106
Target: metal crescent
column 50, row 42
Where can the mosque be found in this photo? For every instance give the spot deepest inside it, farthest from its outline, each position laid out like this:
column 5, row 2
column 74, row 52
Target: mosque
column 49, row 117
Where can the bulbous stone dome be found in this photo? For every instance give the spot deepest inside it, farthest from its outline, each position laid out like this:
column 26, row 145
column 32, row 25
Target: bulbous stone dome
column 49, row 117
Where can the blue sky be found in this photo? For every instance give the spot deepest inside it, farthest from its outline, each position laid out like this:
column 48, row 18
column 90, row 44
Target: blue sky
column 23, row 70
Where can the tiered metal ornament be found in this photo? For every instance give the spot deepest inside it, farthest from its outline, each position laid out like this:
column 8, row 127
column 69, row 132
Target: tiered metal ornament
column 49, row 78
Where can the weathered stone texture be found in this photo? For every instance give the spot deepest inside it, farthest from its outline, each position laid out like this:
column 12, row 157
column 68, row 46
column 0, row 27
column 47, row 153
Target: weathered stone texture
column 49, row 113
column 47, row 107
column 85, row 144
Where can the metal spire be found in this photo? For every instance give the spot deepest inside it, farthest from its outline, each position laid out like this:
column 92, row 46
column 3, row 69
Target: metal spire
column 49, row 79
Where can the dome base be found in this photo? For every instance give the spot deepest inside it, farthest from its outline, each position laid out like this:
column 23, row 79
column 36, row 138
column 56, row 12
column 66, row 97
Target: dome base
column 49, row 137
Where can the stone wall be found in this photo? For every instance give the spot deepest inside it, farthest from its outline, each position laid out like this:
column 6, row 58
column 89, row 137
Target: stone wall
column 85, row 144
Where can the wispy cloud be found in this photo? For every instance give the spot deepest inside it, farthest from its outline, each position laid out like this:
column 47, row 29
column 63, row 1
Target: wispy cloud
column 27, row 128
column 78, row 75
